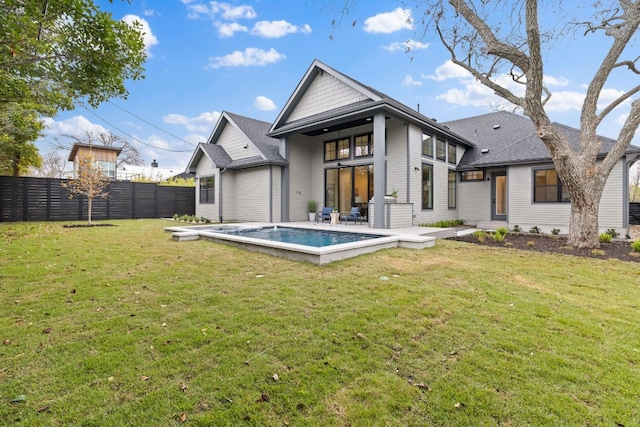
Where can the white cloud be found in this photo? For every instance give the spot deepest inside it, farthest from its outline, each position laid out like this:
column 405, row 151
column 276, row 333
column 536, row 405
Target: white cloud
column 196, row 138
column 263, row 103
column 448, row 70
column 555, row 81
column 230, row 12
column 202, row 123
column 250, row 57
column 224, row 10
column 148, row 37
column 562, row 101
column 409, row 45
column 228, row 30
column 277, row 29
column 389, row 22
column 408, row 81
column 76, row 126
column 474, row 94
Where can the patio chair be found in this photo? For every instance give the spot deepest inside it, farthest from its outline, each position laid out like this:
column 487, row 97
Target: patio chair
column 354, row 216
column 325, row 214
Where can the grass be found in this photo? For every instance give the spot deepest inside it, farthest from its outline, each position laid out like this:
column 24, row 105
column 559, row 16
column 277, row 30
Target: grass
column 122, row 326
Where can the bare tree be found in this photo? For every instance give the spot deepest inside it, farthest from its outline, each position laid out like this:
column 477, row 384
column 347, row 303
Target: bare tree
column 90, row 182
column 491, row 39
column 53, row 166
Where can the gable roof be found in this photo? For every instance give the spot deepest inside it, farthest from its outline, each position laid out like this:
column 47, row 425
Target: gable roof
column 355, row 113
column 504, row 138
column 254, row 133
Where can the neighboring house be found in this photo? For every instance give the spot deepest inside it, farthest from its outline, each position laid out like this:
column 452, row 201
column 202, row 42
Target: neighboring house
column 105, row 157
column 345, row 144
column 151, row 173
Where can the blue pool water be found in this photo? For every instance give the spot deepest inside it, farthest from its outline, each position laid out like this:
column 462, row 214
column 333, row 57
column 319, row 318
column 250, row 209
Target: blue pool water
column 301, row 236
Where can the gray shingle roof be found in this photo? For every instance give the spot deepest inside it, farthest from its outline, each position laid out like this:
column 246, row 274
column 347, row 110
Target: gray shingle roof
column 217, row 154
column 510, row 139
column 256, row 131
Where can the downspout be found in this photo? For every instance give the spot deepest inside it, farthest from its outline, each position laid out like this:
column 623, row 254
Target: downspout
column 223, row 170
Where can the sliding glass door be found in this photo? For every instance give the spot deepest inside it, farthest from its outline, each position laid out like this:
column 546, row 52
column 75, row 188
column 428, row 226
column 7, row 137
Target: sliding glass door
column 349, row 186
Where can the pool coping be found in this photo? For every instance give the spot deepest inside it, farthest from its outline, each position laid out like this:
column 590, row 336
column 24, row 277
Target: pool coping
column 316, row 255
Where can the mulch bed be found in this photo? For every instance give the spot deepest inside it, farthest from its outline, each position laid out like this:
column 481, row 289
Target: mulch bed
column 616, row 249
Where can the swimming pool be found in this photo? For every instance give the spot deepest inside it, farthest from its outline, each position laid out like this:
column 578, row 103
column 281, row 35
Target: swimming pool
column 317, row 244
column 301, row 236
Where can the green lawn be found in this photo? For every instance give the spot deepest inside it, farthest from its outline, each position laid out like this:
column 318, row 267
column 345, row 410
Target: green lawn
column 121, row 325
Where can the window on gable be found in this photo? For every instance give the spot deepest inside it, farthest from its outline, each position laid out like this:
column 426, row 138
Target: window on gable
column 207, row 186
column 547, row 187
column 363, row 145
column 441, row 150
column 427, row 145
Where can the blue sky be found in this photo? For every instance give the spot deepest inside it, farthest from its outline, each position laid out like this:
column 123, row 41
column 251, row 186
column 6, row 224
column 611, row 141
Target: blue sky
column 247, row 57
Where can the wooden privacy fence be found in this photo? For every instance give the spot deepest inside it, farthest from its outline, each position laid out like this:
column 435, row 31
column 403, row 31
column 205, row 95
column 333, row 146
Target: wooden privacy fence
column 634, row 213
column 44, row 199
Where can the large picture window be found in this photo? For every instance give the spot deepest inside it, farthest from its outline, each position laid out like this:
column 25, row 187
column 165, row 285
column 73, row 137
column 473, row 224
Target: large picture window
column 336, row 149
column 452, row 189
column 427, row 186
column 207, row 185
column 363, row 145
column 547, row 186
column 427, row 145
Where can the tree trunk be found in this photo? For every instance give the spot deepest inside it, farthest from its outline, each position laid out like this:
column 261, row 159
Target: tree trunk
column 89, row 210
column 583, row 223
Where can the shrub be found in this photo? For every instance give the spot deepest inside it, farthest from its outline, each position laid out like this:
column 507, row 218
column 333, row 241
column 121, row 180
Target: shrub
column 502, row 230
column 444, row 223
column 605, row 238
column 176, row 217
column 555, row 231
column 498, row 237
column 516, row 229
column 480, row 235
column 636, row 246
column 612, row 232
column 535, row 229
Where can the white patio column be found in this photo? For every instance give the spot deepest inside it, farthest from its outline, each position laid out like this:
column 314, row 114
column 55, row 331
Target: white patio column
column 379, row 170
